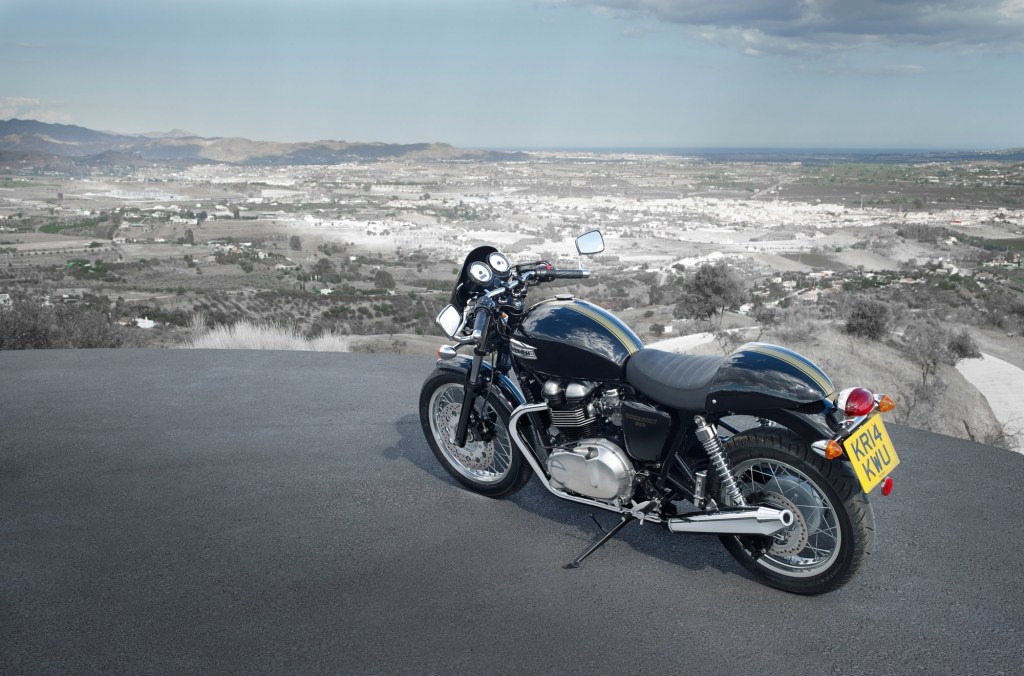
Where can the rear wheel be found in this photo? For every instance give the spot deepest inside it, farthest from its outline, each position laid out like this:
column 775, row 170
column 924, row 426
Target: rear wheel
column 833, row 524
column 489, row 463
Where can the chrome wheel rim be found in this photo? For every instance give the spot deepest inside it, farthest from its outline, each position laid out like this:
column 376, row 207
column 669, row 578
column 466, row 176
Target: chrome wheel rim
column 813, row 542
column 482, row 461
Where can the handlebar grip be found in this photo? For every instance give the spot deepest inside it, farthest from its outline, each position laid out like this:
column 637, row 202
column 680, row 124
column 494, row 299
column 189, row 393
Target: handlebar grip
column 570, row 274
column 481, row 322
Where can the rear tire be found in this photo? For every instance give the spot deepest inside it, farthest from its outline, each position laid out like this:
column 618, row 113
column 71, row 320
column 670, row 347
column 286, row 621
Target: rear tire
column 489, row 463
column 833, row 528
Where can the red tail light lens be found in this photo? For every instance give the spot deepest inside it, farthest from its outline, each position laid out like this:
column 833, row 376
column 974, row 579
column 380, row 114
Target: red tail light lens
column 856, row 401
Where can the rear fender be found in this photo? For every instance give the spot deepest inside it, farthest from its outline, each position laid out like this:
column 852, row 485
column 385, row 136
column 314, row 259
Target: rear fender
column 809, row 427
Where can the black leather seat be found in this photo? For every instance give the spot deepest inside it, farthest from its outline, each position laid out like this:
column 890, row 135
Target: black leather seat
column 675, row 380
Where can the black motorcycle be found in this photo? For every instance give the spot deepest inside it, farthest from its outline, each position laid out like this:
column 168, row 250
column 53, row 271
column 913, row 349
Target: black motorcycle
column 757, row 447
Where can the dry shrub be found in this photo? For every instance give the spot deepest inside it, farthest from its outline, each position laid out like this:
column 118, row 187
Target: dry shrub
column 248, row 335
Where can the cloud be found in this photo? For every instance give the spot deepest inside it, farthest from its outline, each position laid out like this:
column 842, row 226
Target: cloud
column 797, row 26
column 30, row 109
column 903, row 69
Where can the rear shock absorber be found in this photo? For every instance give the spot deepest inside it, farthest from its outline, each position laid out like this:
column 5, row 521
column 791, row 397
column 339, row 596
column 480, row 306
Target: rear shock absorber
column 713, row 445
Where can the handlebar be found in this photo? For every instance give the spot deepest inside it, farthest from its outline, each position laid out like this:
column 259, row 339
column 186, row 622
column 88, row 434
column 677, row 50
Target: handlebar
column 486, row 303
column 548, row 274
column 480, row 325
column 571, row 274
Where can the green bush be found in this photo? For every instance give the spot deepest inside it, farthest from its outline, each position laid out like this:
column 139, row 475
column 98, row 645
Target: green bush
column 868, row 318
column 27, row 326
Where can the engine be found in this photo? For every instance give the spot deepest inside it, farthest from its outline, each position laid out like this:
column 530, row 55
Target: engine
column 577, row 407
column 587, row 464
column 593, row 467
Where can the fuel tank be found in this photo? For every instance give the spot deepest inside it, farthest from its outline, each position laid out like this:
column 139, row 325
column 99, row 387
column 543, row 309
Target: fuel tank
column 570, row 338
column 759, row 376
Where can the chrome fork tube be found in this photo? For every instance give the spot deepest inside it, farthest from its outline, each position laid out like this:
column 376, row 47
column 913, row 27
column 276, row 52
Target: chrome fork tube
column 713, row 445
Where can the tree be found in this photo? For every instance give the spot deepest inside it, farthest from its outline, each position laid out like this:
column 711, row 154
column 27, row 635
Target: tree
column 323, row 268
column 926, row 347
column 766, row 318
column 200, row 217
column 709, row 292
column 383, row 280
column 868, row 318
column 294, row 243
column 929, row 345
column 961, row 346
column 190, row 237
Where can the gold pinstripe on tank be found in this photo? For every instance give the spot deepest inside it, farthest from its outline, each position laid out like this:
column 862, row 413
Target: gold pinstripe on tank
column 620, row 335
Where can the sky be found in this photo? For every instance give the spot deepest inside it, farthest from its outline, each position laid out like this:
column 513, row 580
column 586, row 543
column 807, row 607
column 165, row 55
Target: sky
column 928, row 74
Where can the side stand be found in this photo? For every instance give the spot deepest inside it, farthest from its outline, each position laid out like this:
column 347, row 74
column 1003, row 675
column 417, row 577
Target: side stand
column 626, row 518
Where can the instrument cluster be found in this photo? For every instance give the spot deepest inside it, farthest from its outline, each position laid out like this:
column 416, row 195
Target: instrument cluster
column 497, row 265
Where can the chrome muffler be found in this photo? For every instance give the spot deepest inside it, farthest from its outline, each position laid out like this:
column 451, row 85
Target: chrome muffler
column 745, row 521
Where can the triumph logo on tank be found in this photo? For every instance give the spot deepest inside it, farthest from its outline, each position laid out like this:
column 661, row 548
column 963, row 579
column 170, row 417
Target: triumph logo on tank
column 522, row 350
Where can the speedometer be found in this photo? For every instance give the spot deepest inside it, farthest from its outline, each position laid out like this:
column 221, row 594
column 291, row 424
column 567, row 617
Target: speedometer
column 480, row 273
column 500, row 263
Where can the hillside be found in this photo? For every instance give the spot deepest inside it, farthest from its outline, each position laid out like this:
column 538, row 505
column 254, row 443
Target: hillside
column 948, row 404
column 29, row 139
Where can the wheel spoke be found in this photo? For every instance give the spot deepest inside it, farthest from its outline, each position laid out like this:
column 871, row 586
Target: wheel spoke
column 820, row 538
column 486, row 461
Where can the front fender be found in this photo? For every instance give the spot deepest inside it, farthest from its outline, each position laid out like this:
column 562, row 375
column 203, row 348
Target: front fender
column 501, row 384
column 503, row 387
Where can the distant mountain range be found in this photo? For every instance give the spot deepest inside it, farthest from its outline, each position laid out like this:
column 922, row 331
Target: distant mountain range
column 32, row 143
column 38, row 142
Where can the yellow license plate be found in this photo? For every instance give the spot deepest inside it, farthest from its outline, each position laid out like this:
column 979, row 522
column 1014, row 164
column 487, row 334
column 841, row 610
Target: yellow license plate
column 870, row 451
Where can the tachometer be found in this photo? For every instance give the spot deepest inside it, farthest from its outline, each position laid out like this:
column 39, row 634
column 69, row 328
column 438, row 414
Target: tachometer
column 499, row 263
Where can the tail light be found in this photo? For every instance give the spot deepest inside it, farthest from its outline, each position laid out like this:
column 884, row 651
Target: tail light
column 855, row 401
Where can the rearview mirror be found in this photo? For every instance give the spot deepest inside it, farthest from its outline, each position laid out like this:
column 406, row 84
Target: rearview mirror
column 450, row 320
column 590, row 243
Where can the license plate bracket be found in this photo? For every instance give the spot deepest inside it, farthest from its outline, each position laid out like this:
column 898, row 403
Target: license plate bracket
column 869, row 449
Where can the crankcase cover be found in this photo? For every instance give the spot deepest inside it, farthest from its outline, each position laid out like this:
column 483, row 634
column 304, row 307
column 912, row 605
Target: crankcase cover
column 596, row 468
column 759, row 376
column 571, row 338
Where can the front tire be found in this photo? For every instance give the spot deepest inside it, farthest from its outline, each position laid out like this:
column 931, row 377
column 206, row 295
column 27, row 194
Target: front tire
column 833, row 527
column 489, row 463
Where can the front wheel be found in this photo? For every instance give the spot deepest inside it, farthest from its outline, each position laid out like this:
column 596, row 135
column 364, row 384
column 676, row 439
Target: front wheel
column 833, row 524
column 488, row 464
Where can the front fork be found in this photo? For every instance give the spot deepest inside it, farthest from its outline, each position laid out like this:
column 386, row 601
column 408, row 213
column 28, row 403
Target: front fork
column 474, row 384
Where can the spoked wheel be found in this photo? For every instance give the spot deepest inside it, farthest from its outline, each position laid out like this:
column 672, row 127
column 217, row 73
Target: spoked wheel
column 833, row 523
column 488, row 464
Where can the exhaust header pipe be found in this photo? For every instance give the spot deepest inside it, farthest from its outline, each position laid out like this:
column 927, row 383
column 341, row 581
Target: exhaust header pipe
column 747, row 521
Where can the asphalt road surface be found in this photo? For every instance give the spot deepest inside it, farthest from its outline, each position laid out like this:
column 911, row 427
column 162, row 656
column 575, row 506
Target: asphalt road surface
column 168, row 512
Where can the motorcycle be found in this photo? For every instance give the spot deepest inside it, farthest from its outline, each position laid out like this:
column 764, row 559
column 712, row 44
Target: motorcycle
column 757, row 447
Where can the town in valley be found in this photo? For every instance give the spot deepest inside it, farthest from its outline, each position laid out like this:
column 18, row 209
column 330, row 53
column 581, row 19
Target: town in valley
column 370, row 248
